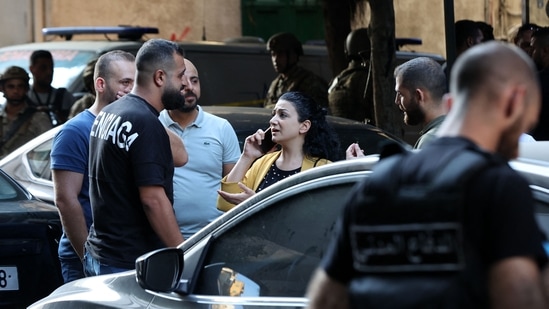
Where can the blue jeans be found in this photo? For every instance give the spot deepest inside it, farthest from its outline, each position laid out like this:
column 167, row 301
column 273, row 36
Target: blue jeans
column 71, row 268
column 92, row 267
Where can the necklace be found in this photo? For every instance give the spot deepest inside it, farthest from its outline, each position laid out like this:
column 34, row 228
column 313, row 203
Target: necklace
column 39, row 101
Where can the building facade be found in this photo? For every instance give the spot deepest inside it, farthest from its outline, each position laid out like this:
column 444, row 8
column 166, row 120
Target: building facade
column 217, row 20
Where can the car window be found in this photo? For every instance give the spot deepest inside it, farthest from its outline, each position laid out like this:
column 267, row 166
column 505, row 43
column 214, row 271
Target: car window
column 369, row 141
column 39, row 160
column 274, row 251
column 7, row 191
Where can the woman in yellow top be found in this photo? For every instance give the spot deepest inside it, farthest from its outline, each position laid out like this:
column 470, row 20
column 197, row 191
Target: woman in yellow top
column 306, row 140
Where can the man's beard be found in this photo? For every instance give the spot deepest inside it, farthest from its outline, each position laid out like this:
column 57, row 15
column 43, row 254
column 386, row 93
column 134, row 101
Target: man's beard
column 189, row 107
column 15, row 101
column 46, row 82
column 110, row 95
column 508, row 144
column 414, row 115
column 172, row 98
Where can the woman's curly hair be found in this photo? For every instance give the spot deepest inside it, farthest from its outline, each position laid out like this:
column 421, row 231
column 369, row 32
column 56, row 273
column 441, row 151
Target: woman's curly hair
column 321, row 140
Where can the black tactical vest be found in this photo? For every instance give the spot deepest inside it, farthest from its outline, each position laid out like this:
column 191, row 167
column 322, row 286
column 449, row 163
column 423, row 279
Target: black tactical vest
column 407, row 237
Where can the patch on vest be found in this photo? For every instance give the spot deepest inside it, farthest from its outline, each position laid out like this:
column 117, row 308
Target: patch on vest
column 418, row 247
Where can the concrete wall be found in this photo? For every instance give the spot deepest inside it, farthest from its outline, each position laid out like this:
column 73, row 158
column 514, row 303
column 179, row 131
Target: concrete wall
column 425, row 19
column 179, row 19
column 17, row 22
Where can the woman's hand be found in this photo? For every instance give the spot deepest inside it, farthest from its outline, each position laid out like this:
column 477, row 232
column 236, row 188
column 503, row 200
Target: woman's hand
column 354, row 151
column 252, row 145
column 251, row 151
column 237, row 198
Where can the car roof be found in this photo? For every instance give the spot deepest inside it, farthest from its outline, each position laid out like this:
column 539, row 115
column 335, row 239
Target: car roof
column 102, row 46
column 534, row 151
column 96, row 46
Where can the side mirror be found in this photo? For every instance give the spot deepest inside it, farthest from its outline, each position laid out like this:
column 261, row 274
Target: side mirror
column 160, row 270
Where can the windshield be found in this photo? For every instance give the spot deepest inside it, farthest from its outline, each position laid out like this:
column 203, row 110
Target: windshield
column 68, row 65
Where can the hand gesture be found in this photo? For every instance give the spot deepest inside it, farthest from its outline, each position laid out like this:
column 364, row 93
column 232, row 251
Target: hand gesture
column 237, row 198
column 354, row 152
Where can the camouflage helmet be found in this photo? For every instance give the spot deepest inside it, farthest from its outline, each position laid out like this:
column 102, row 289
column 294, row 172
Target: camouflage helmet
column 15, row 72
column 285, row 41
column 357, row 42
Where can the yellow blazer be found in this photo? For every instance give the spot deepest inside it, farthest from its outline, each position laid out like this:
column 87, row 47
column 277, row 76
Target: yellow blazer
column 256, row 173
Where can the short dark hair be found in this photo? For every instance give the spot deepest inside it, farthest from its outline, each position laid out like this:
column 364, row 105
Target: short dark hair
column 321, row 141
column 541, row 34
column 487, row 31
column 466, row 28
column 527, row 27
column 102, row 67
column 40, row 54
column 423, row 72
column 157, row 54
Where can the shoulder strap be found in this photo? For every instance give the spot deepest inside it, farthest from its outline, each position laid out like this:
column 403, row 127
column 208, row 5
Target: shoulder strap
column 16, row 125
column 387, row 186
column 385, row 178
column 459, row 169
column 58, row 99
column 56, row 113
column 385, row 173
column 389, row 148
column 352, row 70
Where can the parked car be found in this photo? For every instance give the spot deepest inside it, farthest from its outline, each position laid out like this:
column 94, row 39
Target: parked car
column 260, row 254
column 235, row 72
column 30, row 164
column 29, row 235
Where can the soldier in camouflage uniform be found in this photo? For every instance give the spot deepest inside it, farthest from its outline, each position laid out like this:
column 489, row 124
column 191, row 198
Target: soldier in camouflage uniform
column 351, row 94
column 19, row 121
column 285, row 50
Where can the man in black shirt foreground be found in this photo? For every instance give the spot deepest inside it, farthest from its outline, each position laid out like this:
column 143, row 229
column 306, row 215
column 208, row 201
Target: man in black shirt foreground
column 131, row 165
column 495, row 243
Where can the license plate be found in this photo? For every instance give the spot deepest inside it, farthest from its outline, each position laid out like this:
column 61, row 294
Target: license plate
column 8, row 278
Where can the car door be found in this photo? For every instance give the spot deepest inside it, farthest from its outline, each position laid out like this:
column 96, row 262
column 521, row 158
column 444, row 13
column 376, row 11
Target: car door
column 277, row 248
column 267, row 253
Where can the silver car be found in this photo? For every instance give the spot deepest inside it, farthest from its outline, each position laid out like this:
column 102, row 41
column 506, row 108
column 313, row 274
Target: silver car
column 261, row 253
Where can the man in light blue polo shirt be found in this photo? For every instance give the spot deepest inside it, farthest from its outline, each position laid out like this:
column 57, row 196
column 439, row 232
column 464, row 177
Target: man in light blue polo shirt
column 213, row 150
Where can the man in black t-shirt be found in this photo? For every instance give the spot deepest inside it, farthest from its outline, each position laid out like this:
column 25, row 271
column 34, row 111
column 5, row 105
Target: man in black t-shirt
column 56, row 102
column 495, row 97
column 131, row 165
